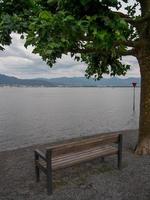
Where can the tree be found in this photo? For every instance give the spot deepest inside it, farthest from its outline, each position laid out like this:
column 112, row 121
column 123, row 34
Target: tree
column 92, row 31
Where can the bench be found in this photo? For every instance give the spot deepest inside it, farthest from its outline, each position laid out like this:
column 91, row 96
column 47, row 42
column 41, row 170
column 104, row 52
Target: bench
column 70, row 153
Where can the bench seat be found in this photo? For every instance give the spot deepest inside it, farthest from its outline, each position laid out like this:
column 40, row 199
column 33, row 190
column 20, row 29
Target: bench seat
column 78, row 157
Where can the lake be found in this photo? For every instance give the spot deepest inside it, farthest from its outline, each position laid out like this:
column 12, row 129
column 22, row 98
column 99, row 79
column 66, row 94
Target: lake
column 42, row 115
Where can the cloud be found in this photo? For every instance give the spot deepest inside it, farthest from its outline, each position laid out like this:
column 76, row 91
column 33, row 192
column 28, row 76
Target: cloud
column 18, row 61
column 134, row 69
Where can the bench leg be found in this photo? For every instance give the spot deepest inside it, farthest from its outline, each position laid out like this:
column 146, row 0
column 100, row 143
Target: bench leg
column 119, row 162
column 120, row 152
column 49, row 182
column 37, row 171
column 49, row 172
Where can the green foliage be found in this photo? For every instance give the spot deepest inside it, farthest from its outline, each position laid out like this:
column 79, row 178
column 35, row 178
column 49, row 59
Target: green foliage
column 56, row 27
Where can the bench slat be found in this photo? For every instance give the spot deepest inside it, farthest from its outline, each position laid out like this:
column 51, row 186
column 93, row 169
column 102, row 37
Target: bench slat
column 88, row 138
column 86, row 151
column 71, row 159
column 83, row 144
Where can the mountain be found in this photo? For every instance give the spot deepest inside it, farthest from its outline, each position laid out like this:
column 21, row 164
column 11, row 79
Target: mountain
column 13, row 81
column 82, row 81
column 68, row 82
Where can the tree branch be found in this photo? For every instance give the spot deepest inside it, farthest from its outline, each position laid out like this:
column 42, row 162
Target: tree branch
column 128, row 43
column 87, row 50
column 145, row 5
column 126, row 17
column 130, row 52
column 143, row 19
column 134, row 22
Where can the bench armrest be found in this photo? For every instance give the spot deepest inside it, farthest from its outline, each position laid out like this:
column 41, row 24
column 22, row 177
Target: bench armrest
column 40, row 154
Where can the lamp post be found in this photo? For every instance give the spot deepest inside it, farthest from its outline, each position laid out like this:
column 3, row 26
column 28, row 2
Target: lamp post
column 134, row 85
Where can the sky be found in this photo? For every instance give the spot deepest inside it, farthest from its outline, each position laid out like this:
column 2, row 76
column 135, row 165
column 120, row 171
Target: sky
column 20, row 62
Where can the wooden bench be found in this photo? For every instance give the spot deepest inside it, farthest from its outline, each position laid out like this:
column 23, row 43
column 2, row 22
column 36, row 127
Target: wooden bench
column 70, row 153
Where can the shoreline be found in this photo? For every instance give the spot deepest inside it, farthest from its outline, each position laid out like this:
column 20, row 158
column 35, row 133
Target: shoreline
column 55, row 141
column 63, row 86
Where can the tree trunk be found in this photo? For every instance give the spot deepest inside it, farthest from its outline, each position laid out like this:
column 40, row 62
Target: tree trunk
column 143, row 146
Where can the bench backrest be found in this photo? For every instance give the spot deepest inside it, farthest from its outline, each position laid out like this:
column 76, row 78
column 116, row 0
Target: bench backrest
column 83, row 144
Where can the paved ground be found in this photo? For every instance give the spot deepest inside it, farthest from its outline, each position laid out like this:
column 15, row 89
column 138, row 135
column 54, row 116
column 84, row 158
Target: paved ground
column 91, row 181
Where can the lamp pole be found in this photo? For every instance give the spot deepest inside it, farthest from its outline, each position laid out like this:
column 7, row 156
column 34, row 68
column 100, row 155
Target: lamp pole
column 134, row 85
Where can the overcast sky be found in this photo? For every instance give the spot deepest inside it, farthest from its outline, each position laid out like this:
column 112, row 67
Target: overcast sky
column 18, row 61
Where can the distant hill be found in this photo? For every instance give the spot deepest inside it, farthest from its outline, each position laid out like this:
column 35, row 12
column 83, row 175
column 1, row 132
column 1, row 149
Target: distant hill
column 68, row 82
column 82, row 81
column 13, row 81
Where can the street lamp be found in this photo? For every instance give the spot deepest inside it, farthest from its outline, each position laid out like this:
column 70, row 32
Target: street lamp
column 134, row 85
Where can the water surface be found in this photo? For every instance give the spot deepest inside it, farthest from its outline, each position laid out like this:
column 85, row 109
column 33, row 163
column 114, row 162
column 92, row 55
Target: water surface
column 40, row 115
